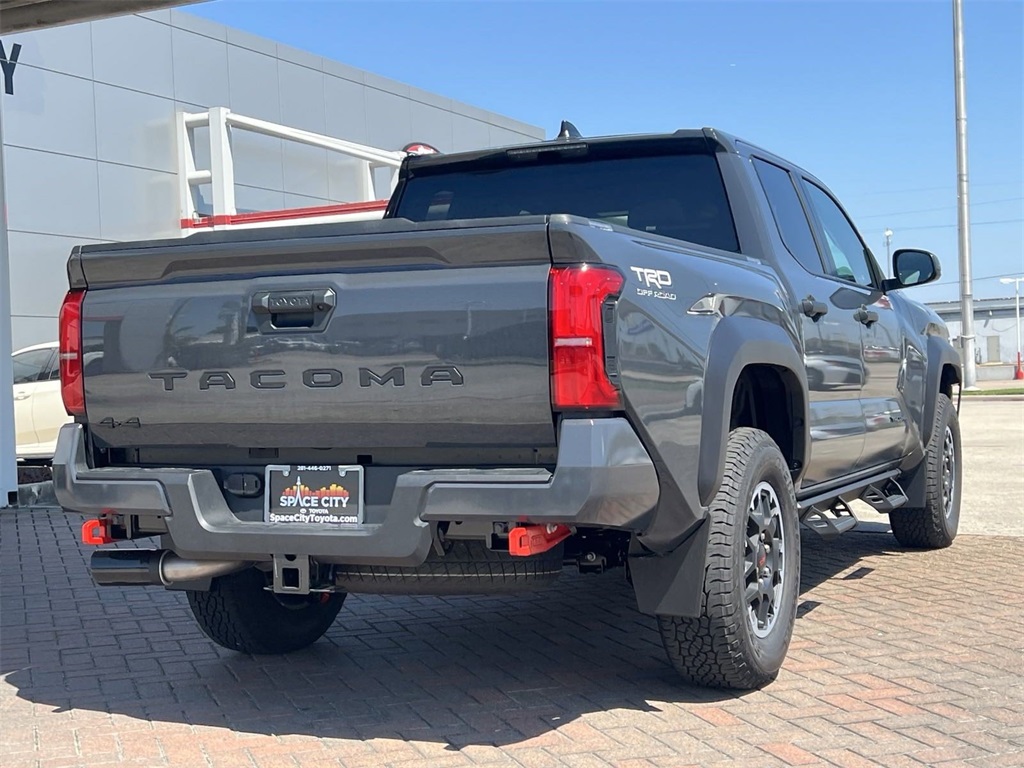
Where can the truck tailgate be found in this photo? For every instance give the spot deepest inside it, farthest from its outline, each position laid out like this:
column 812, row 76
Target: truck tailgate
column 376, row 335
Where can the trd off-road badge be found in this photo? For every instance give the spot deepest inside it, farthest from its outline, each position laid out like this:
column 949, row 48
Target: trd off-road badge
column 654, row 282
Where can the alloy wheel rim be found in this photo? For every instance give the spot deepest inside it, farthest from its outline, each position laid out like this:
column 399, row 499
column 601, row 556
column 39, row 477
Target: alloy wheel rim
column 948, row 472
column 764, row 560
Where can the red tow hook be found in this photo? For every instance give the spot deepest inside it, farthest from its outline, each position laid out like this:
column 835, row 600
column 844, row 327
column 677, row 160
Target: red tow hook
column 533, row 539
column 96, row 531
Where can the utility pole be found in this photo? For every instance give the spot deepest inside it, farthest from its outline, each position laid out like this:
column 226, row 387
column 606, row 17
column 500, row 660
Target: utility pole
column 888, row 247
column 963, row 203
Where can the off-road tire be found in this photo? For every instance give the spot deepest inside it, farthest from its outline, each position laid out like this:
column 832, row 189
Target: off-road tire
column 466, row 568
column 719, row 649
column 930, row 527
column 239, row 614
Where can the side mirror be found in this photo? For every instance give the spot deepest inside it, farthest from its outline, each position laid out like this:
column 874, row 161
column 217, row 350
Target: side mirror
column 911, row 266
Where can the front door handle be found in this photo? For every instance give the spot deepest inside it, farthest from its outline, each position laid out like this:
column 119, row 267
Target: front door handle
column 22, row 395
column 813, row 308
column 866, row 316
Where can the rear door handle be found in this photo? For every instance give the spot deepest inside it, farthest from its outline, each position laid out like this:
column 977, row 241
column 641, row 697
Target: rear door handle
column 866, row 316
column 22, row 395
column 813, row 308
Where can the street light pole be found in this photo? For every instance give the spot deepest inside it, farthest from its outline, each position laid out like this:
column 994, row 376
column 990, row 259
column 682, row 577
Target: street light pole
column 963, row 203
column 888, row 244
column 1018, row 372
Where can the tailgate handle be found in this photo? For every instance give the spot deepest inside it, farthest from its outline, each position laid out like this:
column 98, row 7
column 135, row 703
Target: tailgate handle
column 284, row 310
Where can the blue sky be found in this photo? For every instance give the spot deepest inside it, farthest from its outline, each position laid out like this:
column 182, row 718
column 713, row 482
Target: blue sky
column 860, row 93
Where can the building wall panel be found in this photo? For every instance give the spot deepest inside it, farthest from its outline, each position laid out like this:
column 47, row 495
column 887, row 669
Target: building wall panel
column 135, row 53
column 50, row 194
column 200, row 68
column 55, row 113
column 134, row 203
column 136, row 129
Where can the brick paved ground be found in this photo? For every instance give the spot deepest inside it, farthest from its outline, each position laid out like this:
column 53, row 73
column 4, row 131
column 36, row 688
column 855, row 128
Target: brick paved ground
column 899, row 659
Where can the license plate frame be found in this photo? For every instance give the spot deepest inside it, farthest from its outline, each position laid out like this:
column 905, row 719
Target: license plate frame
column 333, row 496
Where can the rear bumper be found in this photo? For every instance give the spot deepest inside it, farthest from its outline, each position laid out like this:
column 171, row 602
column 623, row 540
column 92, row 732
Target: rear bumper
column 604, row 478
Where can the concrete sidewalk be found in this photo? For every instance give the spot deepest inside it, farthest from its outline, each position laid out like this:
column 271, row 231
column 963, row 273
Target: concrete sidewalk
column 1001, row 384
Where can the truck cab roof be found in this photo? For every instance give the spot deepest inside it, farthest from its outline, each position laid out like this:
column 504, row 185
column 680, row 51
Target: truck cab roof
column 712, row 139
column 707, row 139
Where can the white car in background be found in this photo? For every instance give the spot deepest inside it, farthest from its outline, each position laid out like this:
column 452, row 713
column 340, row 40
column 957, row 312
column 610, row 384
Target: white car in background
column 38, row 409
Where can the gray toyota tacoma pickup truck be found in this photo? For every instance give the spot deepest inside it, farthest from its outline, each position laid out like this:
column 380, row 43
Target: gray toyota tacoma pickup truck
column 666, row 353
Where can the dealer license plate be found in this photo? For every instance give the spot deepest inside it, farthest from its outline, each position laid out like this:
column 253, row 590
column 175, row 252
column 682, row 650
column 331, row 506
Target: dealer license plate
column 316, row 494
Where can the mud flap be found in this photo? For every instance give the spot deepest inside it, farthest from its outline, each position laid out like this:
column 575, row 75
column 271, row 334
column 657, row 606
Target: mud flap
column 672, row 584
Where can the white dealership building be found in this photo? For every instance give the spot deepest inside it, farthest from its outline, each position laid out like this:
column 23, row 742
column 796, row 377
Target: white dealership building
column 155, row 124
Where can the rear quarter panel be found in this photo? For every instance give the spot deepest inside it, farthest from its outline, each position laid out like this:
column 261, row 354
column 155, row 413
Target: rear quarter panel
column 675, row 297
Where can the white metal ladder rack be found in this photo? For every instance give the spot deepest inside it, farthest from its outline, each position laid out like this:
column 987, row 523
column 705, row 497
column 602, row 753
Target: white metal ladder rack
column 372, row 193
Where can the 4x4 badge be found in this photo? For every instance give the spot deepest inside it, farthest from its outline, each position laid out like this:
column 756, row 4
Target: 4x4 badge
column 110, row 422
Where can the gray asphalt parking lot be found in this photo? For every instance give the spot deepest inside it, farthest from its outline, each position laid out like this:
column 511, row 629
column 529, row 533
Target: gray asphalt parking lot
column 899, row 658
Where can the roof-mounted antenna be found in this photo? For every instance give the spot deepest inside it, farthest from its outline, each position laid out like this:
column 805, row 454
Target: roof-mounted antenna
column 568, row 131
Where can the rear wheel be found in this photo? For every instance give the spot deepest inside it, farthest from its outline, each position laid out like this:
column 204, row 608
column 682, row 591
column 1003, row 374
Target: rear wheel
column 238, row 613
column 752, row 578
column 934, row 526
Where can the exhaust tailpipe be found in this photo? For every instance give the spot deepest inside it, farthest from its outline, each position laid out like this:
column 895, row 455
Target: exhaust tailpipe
column 150, row 567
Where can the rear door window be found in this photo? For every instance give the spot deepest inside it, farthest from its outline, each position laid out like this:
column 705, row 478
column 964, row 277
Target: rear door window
column 789, row 214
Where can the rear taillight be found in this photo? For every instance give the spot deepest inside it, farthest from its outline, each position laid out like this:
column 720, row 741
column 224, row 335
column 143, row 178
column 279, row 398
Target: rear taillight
column 578, row 375
column 72, row 385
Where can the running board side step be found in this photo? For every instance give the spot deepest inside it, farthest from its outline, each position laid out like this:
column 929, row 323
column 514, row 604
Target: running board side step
column 818, row 498
column 830, row 523
column 884, row 496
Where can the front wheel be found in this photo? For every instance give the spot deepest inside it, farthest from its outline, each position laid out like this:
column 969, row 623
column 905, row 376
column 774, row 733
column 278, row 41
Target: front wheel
column 934, row 525
column 240, row 614
column 752, row 577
